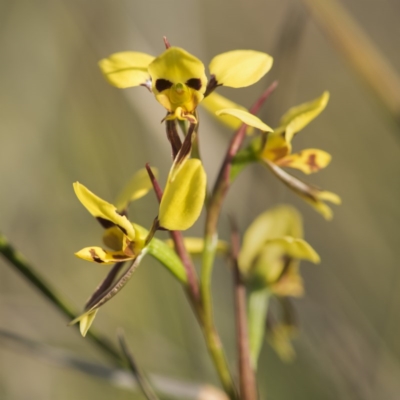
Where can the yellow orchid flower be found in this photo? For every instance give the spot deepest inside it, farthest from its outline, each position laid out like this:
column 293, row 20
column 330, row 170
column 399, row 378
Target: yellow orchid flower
column 178, row 79
column 278, row 147
column 271, row 247
column 275, row 151
column 120, row 235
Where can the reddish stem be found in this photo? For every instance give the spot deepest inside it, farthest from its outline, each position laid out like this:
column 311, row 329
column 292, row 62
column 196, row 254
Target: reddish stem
column 248, row 388
column 223, row 182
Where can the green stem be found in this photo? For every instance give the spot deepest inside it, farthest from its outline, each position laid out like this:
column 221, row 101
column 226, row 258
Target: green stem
column 19, row 262
column 211, row 336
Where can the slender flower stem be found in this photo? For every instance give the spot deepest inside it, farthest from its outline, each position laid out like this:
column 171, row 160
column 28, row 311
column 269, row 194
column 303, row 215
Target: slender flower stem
column 248, row 388
column 211, row 336
column 19, row 262
column 211, row 236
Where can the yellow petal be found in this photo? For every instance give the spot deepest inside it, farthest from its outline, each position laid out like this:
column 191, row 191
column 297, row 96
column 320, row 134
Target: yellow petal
column 138, row 186
column 102, row 210
column 246, row 118
column 240, row 68
column 300, row 116
column 215, row 102
column 178, row 79
column 310, row 194
column 195, row 245
column 183, row 197
column 86, row 321
column 126, row 69
column 113, row 238
column 296, row 248
column 101, row 256
column 307, row 161
column 279, row 221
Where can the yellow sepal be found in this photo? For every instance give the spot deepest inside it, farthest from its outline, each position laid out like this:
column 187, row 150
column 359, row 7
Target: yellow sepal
column 307, row 161
column 138, row 186
column 246, row 118
column 240, row 68
column 126, row 69
column 183, row 197
column 101, row 256
column 296, row 248
column 101, row 209
column 85, row 322
column 300, row 116
column 215, row 102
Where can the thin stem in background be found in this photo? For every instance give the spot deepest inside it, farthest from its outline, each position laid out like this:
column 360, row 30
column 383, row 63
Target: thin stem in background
column 22, row 266
column 247, row 379
column 136, row 371
column 212, row 339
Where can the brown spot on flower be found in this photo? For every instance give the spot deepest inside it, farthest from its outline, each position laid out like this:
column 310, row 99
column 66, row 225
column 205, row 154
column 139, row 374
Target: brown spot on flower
column 105, row 223
column 312, row 162
column 194, row 83
column 95, row 257
column 163, row 84
column 278, row 153
column 128, row 249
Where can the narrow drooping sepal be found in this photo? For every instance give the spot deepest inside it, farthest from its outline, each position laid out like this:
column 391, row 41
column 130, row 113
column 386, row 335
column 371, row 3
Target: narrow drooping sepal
column 104, row 211
column 312, row 195
column 126, row 69
column 183, row 197
column 240, row 68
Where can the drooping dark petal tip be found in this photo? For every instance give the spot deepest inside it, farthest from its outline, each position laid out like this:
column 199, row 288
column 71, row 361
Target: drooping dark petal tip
column 166, row 42
column 212, row 85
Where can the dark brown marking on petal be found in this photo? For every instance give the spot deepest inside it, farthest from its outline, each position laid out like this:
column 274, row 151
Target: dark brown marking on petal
column 122, row 229
column 211, row 85
column 95, row 257
column 119, row 257
column 128, row 249
column 105, row 223
column 163, row 84
column 194, row 83
column 280, row 152
column 312, row 162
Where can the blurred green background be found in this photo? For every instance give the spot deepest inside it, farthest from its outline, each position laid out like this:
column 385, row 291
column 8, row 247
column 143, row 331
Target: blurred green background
column 60, row 122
